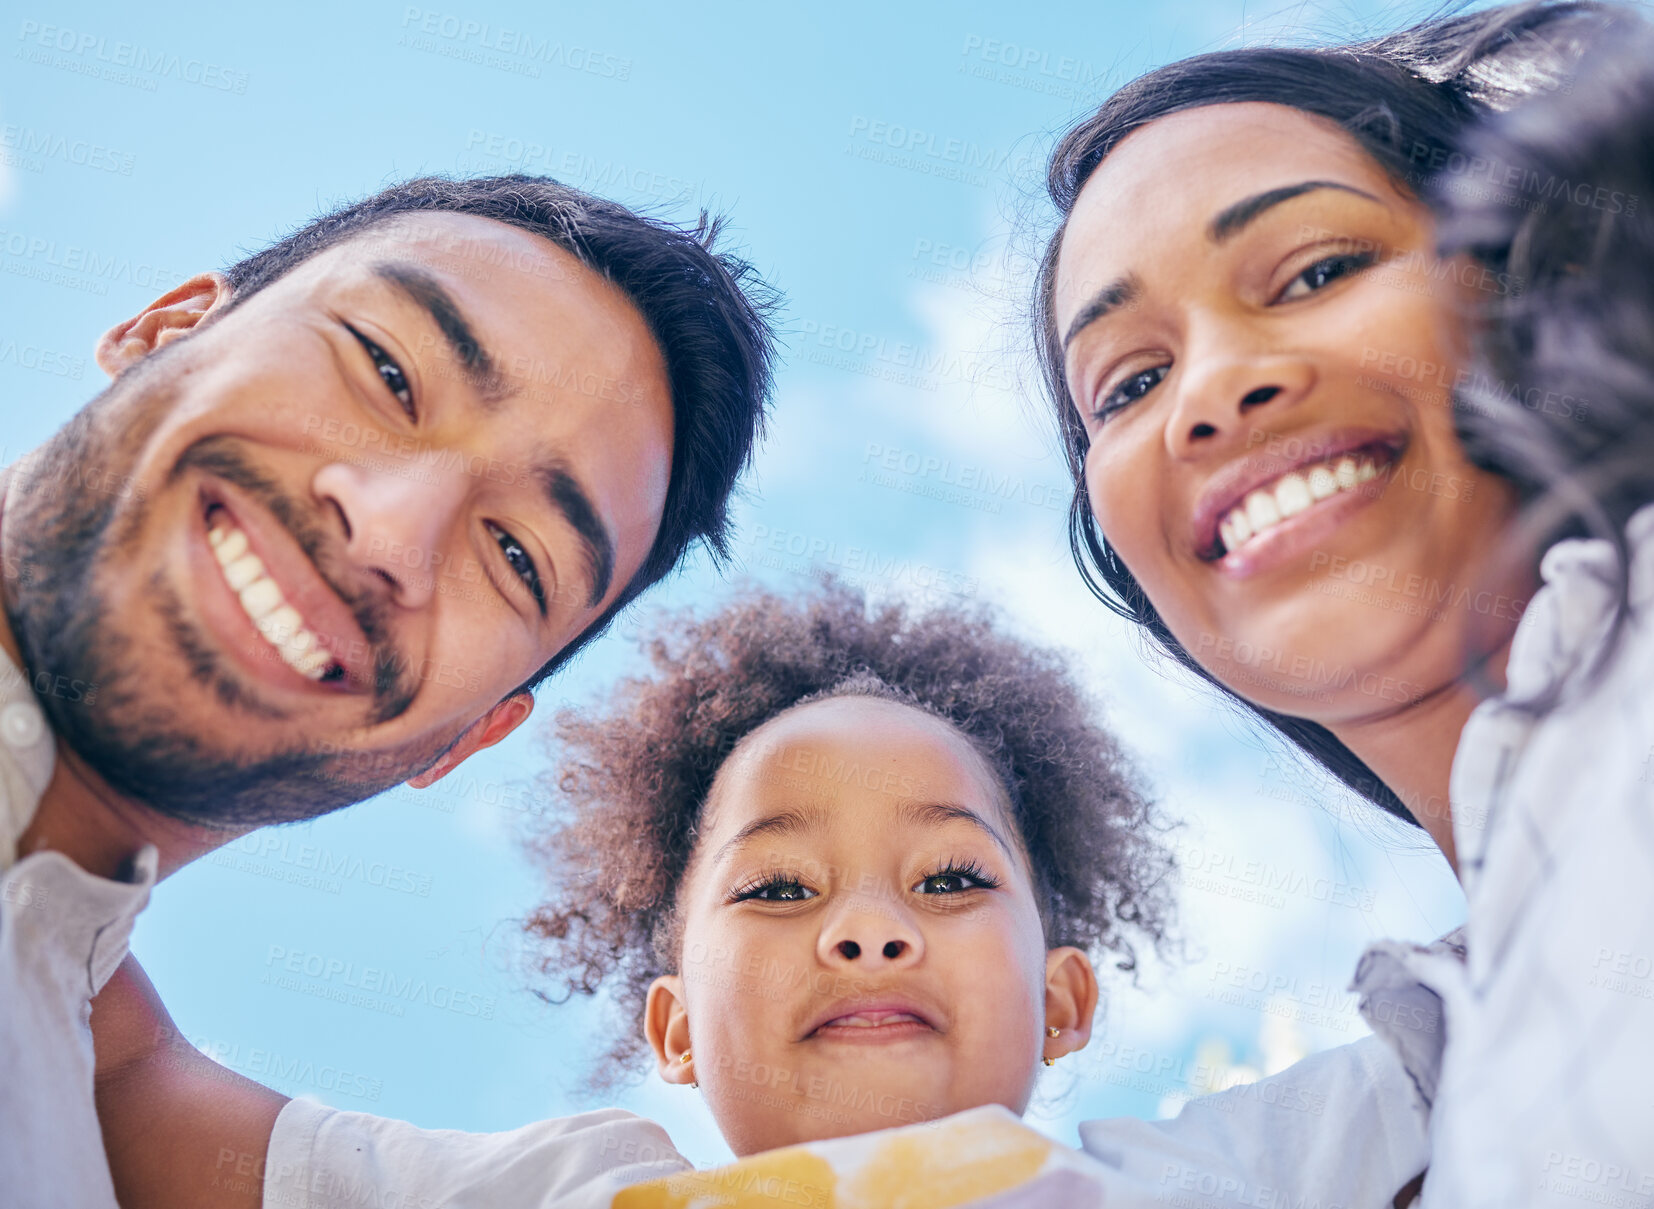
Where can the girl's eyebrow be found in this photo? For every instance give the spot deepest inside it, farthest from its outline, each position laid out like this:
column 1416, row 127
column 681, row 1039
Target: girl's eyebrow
column 785, row 822
column 947, row 812
column 1231, row 220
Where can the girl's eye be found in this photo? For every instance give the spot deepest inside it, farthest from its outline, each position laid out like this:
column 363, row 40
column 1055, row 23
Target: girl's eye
column 520, row 562
column 956, row 879
column 1324, row 272
column 1129, row 391
column 777, row 889
column 390, row 373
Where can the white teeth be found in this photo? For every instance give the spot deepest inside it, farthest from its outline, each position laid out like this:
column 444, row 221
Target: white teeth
column 261, row 598
column 231, row 545
column 1261, row 510
column 1291, row 494
column 279, row 622
column 243, row 571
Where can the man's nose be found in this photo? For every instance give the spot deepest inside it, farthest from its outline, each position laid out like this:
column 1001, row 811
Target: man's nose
column 395, row 526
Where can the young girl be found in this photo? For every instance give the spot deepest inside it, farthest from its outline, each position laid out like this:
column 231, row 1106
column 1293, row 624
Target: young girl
column 845, row 872
column 1291, row 472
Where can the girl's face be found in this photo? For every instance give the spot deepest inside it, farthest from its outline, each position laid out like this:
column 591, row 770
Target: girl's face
column 1262, row 345
column 861, row 947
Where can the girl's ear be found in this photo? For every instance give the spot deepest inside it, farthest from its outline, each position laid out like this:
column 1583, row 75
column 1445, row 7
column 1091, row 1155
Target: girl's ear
column 1070, row 1000
column 666, row 1025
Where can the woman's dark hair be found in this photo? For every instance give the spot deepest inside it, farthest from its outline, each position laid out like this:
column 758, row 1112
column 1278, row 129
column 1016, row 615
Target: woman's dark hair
column 633, row 777
column 1561, row 397
column 708, row 310
column 1408, row 99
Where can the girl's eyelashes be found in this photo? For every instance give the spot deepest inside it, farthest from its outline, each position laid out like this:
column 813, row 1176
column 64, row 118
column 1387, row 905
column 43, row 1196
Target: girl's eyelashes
column 774, row 888
column 953, row 877
column 390, row 373
column 1326, row 271
column 521, row 563
column 956, row 877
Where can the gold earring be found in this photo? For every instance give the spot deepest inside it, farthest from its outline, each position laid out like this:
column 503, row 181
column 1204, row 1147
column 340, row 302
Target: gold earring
column 683, row 1058
column 1052, row 1030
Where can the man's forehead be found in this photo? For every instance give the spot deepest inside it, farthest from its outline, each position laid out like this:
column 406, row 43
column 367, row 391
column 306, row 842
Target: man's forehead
column 463, row 246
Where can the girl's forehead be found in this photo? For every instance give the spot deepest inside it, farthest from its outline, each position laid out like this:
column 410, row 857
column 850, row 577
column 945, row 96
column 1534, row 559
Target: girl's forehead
column 862, row 759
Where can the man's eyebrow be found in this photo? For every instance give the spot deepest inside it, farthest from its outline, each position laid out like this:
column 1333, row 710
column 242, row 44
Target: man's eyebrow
column 1231, row 220
column 947, row 812
column 786, row 822
column 424, row 290
column 1117, row 293
column 569, row 498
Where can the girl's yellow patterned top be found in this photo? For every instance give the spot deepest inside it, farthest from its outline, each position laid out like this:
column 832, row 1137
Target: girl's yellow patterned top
column 936, row 1165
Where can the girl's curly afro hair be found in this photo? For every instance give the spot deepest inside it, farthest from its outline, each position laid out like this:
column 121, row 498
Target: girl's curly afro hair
column 634, row 776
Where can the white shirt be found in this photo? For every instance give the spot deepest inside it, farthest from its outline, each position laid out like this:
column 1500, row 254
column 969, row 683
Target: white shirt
column 1336, row 1131
column 62, row 933
column 1532, row 1046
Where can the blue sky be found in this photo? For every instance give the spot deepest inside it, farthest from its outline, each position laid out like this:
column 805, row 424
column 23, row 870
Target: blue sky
column 881, row 165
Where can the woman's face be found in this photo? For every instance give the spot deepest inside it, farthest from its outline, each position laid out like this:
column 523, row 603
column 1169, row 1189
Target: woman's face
column 861, row 946
column 1262, row 344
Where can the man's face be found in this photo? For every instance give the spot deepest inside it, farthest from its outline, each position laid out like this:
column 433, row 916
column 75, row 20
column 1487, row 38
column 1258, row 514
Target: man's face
column 359, row 509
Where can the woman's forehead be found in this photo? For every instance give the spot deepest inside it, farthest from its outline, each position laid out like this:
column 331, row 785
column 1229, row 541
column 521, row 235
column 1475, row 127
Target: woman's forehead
column 1163, row 183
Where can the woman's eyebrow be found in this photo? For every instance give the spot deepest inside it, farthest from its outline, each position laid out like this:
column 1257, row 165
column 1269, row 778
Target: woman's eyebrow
column 1122, row 291
column 1232, row 220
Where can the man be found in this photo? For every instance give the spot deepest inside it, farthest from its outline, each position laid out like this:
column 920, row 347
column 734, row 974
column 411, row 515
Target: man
column 229, row 579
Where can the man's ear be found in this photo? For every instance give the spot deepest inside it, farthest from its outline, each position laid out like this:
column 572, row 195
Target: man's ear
column 1070, row 1000
column 486, row 731
column 666, row 1026
column 171, row 315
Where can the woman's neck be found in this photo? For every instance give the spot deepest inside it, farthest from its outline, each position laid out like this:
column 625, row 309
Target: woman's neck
column 1412, row 750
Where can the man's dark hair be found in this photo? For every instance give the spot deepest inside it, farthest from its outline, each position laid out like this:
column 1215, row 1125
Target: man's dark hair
column 708, row 311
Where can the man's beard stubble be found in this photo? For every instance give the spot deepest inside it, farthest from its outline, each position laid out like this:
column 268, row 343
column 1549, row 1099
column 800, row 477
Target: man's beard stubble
column 125, row 729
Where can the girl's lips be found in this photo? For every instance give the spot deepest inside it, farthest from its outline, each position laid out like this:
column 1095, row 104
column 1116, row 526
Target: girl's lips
column 871, row 1021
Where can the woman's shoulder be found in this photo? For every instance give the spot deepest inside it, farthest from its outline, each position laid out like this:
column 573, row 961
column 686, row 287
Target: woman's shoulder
column 324, row 1156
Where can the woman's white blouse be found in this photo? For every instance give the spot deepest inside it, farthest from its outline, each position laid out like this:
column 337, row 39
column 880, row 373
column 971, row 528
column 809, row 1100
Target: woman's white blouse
column 1532, row 1046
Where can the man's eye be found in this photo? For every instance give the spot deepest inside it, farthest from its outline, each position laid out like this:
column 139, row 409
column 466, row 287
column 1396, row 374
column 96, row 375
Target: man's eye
column 778, row 889
column 1129, row 391
column 520, row 562
column 390, row 373
column 1324, row 272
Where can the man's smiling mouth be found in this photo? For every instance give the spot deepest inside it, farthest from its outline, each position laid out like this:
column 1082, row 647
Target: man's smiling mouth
column 280, row 624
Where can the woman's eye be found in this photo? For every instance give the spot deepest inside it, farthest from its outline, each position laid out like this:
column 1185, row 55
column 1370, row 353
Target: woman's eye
column 1324, row 272
column 1129, row 391
column 390, row 373
column 520, row 562
column 778, row 890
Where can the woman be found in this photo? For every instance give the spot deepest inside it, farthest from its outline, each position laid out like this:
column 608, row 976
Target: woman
column 1292, row 474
